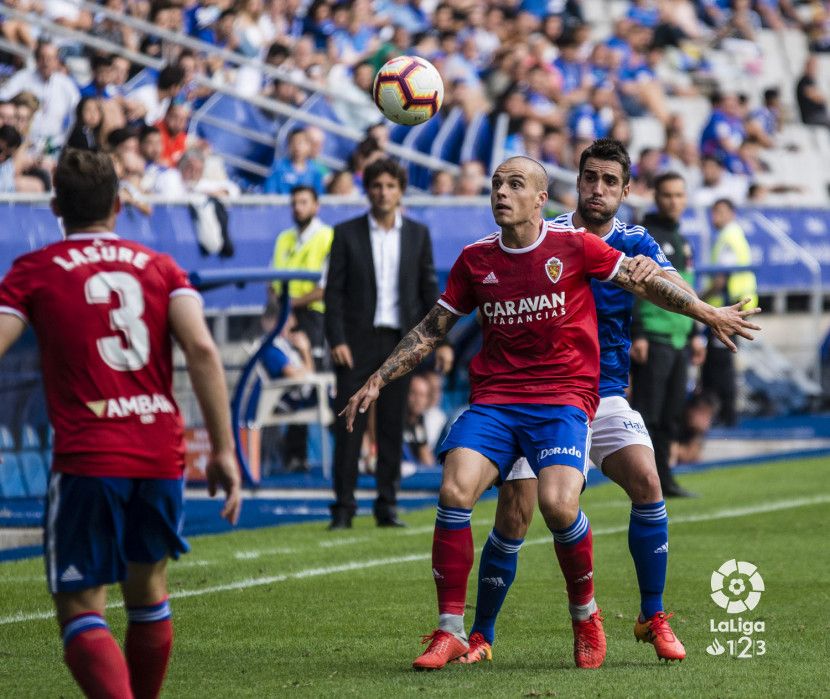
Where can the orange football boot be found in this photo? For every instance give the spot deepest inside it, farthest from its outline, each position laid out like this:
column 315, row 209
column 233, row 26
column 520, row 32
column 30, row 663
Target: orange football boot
column 589, row 641
column 657, row 631
column 480, row 650
column 443, row 647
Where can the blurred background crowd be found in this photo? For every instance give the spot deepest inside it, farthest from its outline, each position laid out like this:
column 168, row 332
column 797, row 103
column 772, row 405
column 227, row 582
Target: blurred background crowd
column 729, row 93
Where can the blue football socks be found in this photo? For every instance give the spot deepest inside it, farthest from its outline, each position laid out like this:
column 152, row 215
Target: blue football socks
column 648, row 541
column 496, row 572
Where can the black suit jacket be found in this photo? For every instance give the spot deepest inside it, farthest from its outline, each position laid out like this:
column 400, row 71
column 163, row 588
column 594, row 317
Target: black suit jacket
column 351, row 293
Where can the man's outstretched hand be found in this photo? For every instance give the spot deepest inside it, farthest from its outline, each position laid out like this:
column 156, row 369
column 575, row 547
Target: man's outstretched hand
column 360, row 401
column 731, row 320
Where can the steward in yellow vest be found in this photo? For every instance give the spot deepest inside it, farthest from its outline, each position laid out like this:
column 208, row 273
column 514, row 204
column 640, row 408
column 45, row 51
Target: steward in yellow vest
column 718, row 375
column 731, row 248
column 304, row 247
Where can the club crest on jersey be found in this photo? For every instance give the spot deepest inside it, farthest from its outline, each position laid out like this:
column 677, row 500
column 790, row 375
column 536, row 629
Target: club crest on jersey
column 553, row 267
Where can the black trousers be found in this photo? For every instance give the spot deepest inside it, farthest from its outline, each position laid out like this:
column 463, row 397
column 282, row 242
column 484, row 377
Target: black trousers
column 391, row 406
column 658, row 393
column 718, row 376
column 295, row 446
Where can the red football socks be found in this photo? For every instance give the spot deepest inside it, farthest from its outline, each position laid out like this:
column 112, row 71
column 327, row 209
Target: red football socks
column 577, row 563
column 452, row 561
column 95, row 659
column 147, row 646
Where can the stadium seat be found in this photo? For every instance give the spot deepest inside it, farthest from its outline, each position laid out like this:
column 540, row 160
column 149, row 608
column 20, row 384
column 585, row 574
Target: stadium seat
column 334, row 146
column 29, row 439
column 223, row 109
column 34, row 473
column 794, row 43
column 11, row 481
column 421, row 138
column 448, row 140
column 144, row 77
column 646, row 132
column 6, row 439
column 478, row 141
column 272, row 406
column 398, row 132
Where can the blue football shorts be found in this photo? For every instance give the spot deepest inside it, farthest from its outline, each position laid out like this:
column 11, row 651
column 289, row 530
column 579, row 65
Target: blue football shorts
column 547, row 435
column 95, row 526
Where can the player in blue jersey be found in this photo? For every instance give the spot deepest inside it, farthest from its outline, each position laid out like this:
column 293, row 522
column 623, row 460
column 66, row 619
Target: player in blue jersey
column 620, row 444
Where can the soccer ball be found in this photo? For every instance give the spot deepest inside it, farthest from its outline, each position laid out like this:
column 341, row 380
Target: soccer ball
column 408, row 90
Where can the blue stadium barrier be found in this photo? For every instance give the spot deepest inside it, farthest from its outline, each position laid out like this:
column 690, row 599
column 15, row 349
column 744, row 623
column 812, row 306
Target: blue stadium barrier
column 223, row 141
column 6, row 439
column 421, row 138
column 147, row 76
column 478, row 141
column 398, row 132
column 254, row 229
column 29, row 439
column 35, row 474
column 448, row 144
column 334, row 146
column 11, row 481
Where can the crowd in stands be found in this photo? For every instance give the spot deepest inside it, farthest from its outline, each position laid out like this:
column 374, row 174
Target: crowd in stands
column 540, row 63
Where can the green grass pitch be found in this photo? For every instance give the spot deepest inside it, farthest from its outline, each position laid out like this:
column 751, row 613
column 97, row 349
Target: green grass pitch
column 298, row 611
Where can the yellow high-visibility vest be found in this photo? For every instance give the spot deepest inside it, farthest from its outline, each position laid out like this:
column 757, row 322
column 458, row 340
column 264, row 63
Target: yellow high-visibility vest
column 739, row 284
column 310, row 256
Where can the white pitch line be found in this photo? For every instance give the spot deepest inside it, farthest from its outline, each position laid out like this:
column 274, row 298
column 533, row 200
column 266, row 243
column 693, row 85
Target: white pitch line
column 256, row 553
column 195, row 563
column 22, row 578
column 377, row 562
column 332, row 543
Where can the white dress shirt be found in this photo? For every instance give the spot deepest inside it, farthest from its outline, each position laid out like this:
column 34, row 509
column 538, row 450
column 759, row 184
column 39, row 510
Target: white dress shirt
column 386, row 255
column 58, row 97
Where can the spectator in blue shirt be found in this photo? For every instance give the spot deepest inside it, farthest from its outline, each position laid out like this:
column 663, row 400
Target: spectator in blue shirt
column 576, row 79
column 593, row 120
column 297, row 168
column 103, row 77
column 403, row 13
column 724, row 132
column 644, row 13
column 318, row 24
column 765, row 122
column 288, row 356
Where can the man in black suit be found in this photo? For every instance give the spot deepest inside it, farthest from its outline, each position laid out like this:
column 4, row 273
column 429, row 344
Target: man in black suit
column 380, row 283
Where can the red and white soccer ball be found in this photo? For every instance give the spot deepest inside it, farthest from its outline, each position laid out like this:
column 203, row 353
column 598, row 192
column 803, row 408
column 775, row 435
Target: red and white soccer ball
column 408, row 90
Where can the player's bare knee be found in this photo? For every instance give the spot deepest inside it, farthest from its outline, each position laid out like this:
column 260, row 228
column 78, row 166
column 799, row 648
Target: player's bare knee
column 514, row 512
column 512, row 523
column 559, row 512
column 71, row 604
column 643, row 486
column 146, row 583
column 453, row 494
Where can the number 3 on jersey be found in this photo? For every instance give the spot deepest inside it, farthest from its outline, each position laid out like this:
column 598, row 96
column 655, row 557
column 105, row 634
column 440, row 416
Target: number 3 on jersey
column 126, row 318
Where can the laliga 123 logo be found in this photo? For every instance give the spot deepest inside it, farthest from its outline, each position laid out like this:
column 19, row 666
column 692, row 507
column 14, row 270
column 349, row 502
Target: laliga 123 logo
column 736, row 588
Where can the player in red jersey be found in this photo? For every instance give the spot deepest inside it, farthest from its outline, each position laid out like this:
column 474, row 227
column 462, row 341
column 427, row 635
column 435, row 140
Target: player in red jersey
column 534, row 389
column 104, row 311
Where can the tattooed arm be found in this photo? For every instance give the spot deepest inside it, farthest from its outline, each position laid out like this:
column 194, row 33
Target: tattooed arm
column 663, row 292
column 416, row 345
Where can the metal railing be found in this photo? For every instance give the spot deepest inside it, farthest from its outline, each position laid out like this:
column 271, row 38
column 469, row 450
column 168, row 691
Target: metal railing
column 816, row 291
column 16, row 49
column 264, row 103
column 208, row 48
